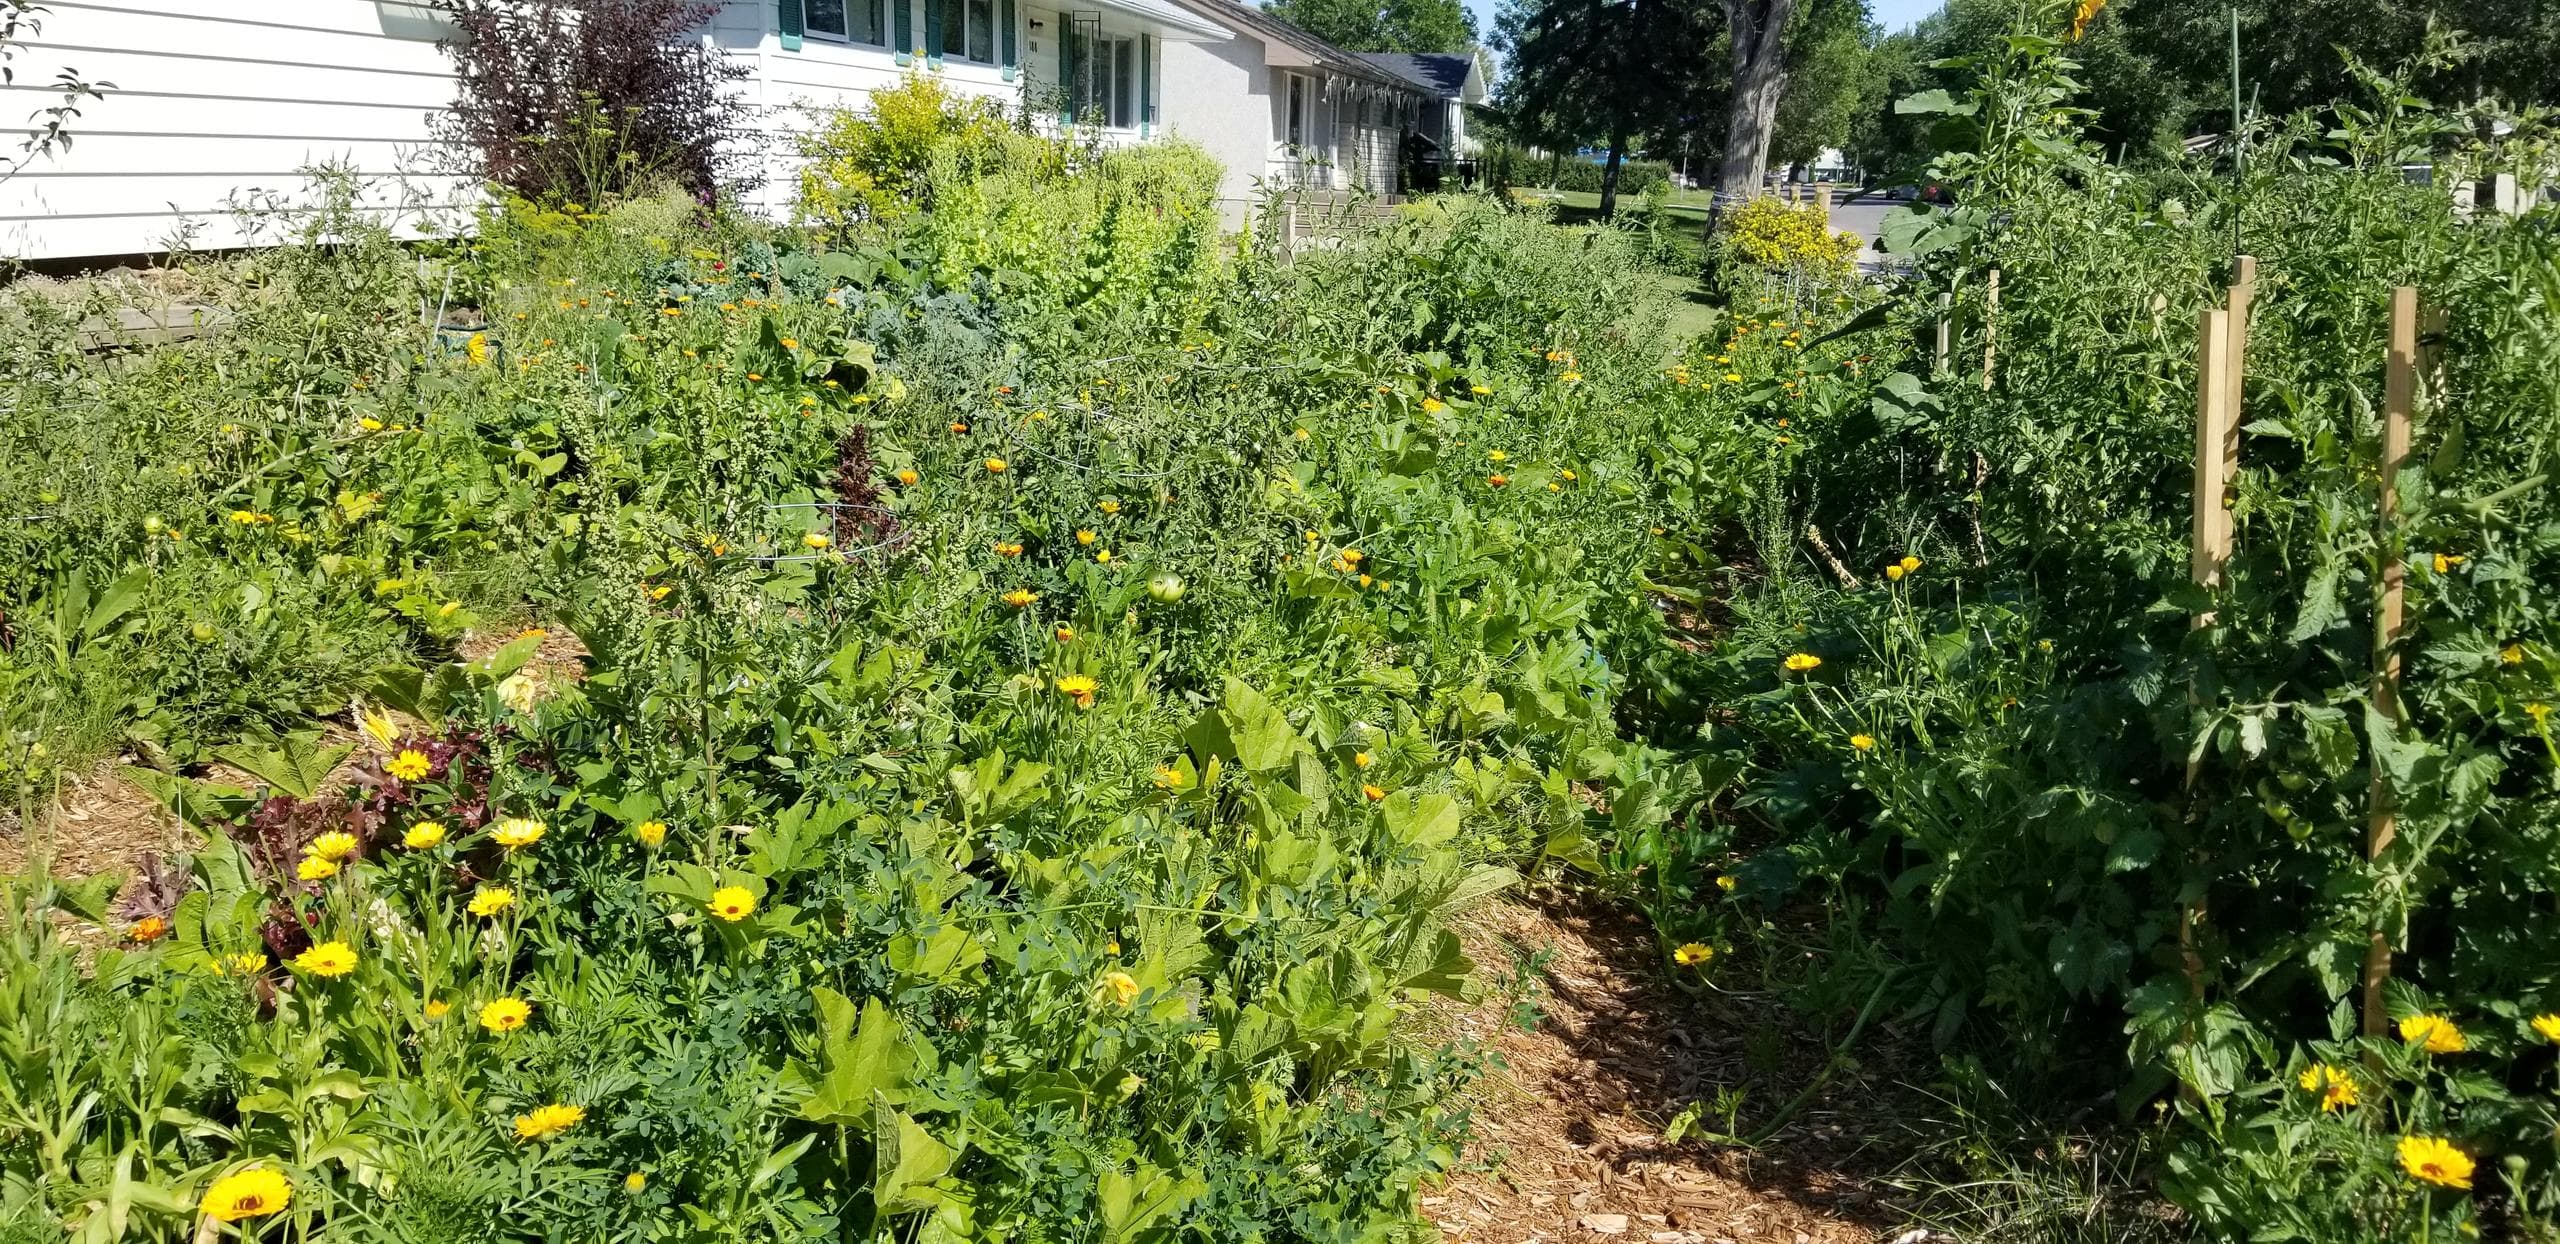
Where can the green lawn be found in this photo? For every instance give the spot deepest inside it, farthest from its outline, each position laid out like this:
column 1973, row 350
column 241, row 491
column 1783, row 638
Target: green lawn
column 1692, row 313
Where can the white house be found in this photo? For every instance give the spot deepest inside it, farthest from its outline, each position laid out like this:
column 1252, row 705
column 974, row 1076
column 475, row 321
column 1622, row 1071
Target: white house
column 1450, row 81
column 218, row 103
column 1280, row 106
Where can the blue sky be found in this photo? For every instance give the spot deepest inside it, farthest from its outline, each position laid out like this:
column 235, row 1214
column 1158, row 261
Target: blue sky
column 1892, row 14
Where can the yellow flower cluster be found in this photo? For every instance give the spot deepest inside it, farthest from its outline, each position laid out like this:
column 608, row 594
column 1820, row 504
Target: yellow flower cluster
column 1781, row 236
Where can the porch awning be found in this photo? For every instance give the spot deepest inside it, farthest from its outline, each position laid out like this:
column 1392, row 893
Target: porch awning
column 1164, row 19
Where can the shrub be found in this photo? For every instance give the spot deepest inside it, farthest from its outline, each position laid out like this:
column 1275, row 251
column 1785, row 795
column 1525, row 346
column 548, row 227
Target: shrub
column 582, row 100
column 1634, row 176
column 869, row 167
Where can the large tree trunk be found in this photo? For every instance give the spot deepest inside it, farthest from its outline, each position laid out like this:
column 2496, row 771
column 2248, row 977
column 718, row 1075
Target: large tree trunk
column 1609, row 177
column 1759, row 29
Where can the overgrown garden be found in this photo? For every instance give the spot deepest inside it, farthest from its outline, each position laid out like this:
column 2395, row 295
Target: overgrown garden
column 978, row 722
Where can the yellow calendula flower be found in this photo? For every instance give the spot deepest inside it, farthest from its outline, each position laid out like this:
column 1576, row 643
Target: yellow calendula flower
column 1020, row 598
column 327, row 959
column 652, row 834
column 316, row 868
column 1009, row 549
column 1727, row 882
column 544, row 1122
column 1167, row 777
column 635, row 1181
column 2512, row 654
column 1863, row 742
column 1433, row 406
column 1479, row 390
column 1084, row 536
column 490, row 900
column 410, row 765
column 1691, row 954
column 506, row 1015
column 1909, row 564
column 1110, row 507
column 1362, row 760
column 1080, row 688
column 1894, row 572
column 477, row 349
column 250, row 1192
column 1064, row 634
column 2435, row 1032
column 2547, row 1026
column 2433, row 1159
column 908, row 478
column 1800, row 662
column 1119, row 987
column 1103, row 556
column 246, row 963
column 733, row 903
column 437, row 1008
column 422, row 835
column 816, row 540
column 337, row 844
column 1371, row 793
column 2335, row 1086
column 518, row 832
column 995, row 466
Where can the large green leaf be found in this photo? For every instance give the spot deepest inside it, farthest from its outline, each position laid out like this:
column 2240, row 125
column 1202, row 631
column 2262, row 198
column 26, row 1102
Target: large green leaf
column 861, row 1061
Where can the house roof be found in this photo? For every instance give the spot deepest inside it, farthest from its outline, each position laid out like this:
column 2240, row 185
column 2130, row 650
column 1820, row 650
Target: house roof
column 1444, row 74
column 1171, row 20
column 1249, row 19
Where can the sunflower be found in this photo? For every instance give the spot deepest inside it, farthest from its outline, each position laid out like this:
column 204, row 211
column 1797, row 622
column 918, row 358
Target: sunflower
column 327, row 959
column 491, row 900
column 2435, row 1160
column 518, row 832
column 506, row 1015
column 544, row 1122
column 250, row 1192
column 733, row 903
column 410, row 765
column 422, row 835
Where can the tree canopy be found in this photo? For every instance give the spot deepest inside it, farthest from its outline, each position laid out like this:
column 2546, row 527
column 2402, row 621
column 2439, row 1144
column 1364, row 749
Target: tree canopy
column 1382, row 25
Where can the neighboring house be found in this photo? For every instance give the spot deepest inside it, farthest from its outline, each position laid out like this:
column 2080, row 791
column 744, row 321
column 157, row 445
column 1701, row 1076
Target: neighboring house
column 1453, row 81
column 1281, row 107
column 225, row 102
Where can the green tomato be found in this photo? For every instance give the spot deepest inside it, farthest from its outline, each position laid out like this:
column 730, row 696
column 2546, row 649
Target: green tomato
column 1165, row 588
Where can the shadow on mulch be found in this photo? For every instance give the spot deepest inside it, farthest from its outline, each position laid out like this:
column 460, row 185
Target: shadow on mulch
column 1569, row 1124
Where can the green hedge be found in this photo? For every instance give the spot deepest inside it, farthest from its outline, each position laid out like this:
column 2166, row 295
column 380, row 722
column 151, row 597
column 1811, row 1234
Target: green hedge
column 1634, row 176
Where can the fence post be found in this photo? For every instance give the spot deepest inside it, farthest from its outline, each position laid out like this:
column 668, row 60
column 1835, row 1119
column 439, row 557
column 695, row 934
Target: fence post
column 2399, row 403
column 2502, row 195
column 1990, row 327
column 1822, row 199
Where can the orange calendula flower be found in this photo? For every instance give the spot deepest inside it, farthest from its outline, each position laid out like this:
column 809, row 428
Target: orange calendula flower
column 733, row 903
column 1497, row 481
column 1080, row 688
column 1371, row 793
column 545, row 1122
column 907, row 477
column 2435, row 1032
column 147, row 930
column 2433, row 1159
column 2335, row 1086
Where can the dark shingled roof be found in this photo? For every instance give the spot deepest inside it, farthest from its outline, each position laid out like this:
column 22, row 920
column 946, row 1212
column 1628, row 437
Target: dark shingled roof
column 1442, row 73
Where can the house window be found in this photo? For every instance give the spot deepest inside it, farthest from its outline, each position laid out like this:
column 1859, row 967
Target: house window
column 969, row 29
column 1297, row 111
column 854, row 21
column 1106, row 78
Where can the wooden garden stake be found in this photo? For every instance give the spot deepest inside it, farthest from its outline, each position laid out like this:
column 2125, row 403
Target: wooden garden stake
column 2243, row 292
column 2213, row 393
column 1946, row 332
column 2399, row 403
column 1990, row 327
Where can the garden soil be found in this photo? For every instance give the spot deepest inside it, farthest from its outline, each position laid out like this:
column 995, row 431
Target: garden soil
column 1569, row 1121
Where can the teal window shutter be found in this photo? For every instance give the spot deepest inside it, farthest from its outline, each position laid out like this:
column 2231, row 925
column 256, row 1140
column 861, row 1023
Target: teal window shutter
column 789, row 13
column 1146, row 85
column 1012, row 50
column 933, row 20
column 906, row 14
